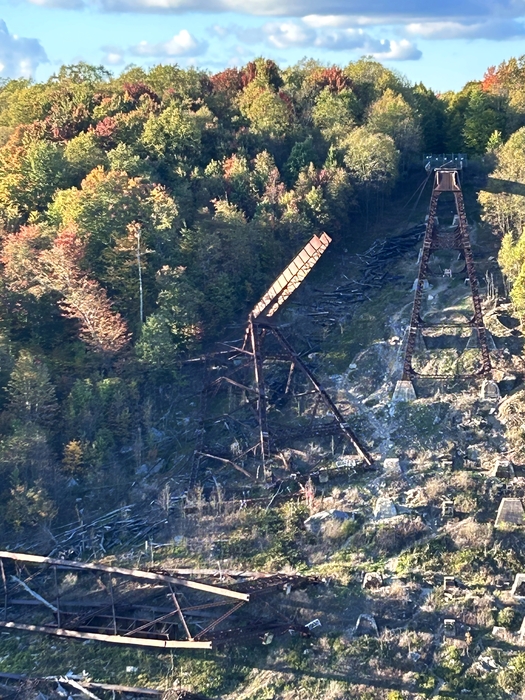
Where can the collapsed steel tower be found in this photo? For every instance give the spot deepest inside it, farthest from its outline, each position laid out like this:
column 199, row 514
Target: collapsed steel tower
column 445, row 180
column 133, row 607
column 253, row 355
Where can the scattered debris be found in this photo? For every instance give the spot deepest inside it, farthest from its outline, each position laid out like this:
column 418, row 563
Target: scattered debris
column 392, row 467
column 313, row 624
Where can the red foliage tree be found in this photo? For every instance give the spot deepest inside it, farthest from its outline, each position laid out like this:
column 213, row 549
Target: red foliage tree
column 333, row 78
column 106, row 128
column 136, row 90
column 491, row 80
column 32, row 267
column 229, row 81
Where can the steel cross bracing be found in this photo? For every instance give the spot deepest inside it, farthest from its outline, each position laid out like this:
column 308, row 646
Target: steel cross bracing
column 446, row 180
column 81, row 600
column 259, row 327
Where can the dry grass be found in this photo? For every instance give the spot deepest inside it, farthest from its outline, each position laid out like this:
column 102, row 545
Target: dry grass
column 471, row 534
column 436, row 488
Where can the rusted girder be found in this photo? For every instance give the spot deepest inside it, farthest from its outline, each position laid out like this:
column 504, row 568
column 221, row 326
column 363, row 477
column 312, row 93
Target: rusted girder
column 446, row 180
column 129, row 606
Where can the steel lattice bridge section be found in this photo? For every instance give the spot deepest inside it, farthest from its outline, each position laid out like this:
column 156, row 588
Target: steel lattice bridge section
column 252, row 356
column 79, row 600
column 445, row 180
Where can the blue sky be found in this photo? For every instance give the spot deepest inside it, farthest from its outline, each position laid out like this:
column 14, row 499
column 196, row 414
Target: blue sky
column 444, row 44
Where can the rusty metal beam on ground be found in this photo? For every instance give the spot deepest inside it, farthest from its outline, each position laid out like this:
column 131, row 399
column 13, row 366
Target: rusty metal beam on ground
column 258, row 325
column 114, row 639
column 132, row 690
column 131, row 573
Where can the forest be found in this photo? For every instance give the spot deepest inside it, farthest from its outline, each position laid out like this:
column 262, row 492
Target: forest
column 143, row 214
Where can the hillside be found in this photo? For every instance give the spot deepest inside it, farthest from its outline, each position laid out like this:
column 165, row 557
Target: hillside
column 143, row 216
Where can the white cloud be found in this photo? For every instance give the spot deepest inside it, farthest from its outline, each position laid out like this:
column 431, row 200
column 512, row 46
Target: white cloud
column 335, row 21
column 114, row 59
column 64, row 4
column 332, row 13
column 182, row 44
column 495, row 29
column 290, row 34
column 345, row 40
column 285, row 34
column 19, row 57
column 317, row 21
column 403, row 50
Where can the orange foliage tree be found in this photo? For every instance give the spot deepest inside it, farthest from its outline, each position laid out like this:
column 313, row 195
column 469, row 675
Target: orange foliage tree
column 31, row 266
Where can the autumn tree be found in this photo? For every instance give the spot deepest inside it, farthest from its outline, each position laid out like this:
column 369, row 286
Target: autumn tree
column 334, row 113
column 57, row 269
column 506, row 211
column 392, row 115
column 31, row 394
column 371, row 158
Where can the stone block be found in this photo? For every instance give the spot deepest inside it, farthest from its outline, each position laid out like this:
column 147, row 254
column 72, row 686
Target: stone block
column 449, row 627
column 518, row 587
column 372, row 579
column 503, row 469
column 447, row 509
column 449, row 583
column 385, row 508
column 366, row 624
column 404, row 391
column 510, row 512
column 489, row 391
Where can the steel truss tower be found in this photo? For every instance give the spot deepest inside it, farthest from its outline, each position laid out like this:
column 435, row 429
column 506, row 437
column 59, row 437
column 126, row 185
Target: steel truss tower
column 446, row 180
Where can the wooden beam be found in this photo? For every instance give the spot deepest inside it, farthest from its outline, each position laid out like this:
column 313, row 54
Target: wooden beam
column 132, row 573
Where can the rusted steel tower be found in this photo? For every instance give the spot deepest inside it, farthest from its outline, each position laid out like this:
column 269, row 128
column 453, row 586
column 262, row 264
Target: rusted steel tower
column 445, row 180
column 260, row 322
column 253, row 358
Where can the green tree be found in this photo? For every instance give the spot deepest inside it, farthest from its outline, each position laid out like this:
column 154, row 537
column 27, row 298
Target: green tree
column 432, row 118
column 371, row 158
column 370, row 79
column 31, row 170
column 334, row 113
column 481, row 120
column 503, row 210
column 268, row 112
column 173, row 137
column 390, row 114
column 31, row 394
column 83, row 154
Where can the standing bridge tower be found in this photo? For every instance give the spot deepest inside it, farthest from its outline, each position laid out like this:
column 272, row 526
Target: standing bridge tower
column 446, row 180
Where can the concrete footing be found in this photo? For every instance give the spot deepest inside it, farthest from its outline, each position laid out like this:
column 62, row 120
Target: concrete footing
column 404, row 391
column 489, row 391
